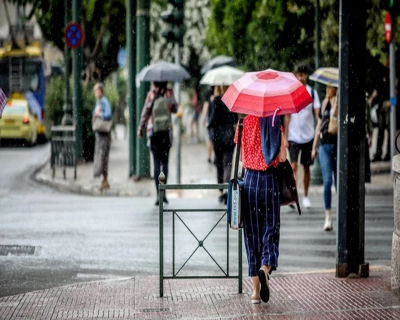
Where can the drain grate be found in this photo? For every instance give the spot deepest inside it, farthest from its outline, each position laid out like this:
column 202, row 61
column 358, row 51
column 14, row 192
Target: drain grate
column 155, row 310
column 7, row 250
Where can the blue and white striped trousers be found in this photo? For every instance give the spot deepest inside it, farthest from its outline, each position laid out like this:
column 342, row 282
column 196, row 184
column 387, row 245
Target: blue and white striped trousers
column 261, row 212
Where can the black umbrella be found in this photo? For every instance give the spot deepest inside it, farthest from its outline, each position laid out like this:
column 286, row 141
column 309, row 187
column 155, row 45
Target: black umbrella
column 163, row 71
column 218, row 61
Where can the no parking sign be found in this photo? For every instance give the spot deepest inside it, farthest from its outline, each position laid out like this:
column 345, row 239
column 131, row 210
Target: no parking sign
column 73, row 35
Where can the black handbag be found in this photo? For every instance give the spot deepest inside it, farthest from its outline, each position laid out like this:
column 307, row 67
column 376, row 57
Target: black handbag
column 287, row 185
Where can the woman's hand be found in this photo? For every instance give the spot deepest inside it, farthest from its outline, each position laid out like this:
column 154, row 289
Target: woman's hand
column 313, row 154
column 140, row 133
column 98, row 111
column 282, row 155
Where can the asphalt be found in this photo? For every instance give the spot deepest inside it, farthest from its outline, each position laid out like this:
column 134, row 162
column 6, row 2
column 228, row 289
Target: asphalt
column 194, row 169
column 294, row 295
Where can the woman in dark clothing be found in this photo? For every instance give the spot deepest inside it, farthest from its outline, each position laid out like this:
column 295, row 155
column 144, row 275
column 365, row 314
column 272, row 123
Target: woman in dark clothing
column 222, row 123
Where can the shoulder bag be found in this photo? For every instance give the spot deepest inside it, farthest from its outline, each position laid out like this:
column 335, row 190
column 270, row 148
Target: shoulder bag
column 333, row 121
column 235, row 190
column 100, row 125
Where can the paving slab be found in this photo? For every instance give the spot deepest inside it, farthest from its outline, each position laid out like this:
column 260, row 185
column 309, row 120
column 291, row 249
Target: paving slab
column 293, row 296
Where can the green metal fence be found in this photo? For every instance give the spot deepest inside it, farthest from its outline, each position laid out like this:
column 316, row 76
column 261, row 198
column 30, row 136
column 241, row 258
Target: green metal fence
column 176, row 215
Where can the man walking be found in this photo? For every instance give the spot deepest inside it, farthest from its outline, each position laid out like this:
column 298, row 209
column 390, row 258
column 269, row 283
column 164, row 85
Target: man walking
column 299, row 132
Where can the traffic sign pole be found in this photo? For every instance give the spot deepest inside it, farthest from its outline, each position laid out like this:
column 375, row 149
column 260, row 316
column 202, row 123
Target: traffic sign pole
column 142, row 60
column 67, row 109
column 393, row 102
column 77, row 89
column 177, row 91
column 131, row 63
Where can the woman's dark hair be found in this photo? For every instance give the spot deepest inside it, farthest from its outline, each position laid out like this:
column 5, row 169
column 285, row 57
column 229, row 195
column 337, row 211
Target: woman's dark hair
column 161, row 84
column 301, row 68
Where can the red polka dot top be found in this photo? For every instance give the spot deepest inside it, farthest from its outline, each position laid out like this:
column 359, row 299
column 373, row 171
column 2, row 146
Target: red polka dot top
column 252, row 155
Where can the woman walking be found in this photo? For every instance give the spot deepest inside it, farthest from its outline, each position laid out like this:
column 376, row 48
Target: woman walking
column 101, row 110
column 221, row 126
column 261, row 203
column 327, row 149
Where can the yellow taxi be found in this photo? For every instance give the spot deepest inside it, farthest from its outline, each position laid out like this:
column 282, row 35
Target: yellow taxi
column 17, row 122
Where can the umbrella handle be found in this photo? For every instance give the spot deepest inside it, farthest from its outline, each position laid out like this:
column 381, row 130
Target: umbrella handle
column 273, row 118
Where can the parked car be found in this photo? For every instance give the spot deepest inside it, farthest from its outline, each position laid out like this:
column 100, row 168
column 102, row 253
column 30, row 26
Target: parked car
column 18, row 122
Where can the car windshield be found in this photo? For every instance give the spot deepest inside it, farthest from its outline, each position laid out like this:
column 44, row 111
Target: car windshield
column 17, row 109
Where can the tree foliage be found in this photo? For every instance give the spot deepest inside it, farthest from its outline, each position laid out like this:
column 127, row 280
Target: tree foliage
column 277, row 34
column 262, row 33
column 103, row 24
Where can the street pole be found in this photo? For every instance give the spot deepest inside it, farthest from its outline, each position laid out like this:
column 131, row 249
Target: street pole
column 77, row 89
column 177, row 91
column 131, row 63
column 393, row 99
column 67, row 117
column 142, row 60
column 351, row 133
column 316, row 173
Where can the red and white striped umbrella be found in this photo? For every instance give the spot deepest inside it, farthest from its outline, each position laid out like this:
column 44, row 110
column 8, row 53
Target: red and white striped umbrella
column 262, row 93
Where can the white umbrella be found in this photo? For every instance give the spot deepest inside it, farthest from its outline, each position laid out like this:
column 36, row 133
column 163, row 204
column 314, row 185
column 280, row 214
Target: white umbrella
column 222, row 76
column 218, row 61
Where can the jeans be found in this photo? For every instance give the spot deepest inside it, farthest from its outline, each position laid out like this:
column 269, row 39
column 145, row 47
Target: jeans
column 328, row 161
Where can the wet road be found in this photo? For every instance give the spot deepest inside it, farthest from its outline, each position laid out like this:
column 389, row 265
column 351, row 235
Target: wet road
column 66, row 238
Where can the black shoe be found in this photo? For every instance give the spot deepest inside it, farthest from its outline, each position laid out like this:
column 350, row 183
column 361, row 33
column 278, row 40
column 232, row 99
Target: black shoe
column 157, row 202
column 376, row 159
column 165, row 200
column 292, row 206
column 264, row 278
column 223, row 198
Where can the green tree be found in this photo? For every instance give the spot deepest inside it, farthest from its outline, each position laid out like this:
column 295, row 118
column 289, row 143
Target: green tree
column 277, row 34
column 103, row 24
column 262, row 33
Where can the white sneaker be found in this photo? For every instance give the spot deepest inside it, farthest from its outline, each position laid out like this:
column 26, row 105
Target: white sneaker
column 306, row 202
column 328, row 224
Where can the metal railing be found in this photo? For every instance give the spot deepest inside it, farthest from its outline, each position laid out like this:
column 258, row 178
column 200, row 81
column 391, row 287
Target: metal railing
column 63, row 148
column 200, row 242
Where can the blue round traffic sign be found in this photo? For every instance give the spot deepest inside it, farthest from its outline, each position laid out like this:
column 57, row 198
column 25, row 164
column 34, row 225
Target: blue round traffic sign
column 73, row 35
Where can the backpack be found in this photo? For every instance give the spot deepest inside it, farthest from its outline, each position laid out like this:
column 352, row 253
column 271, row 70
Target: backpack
column 160, row 114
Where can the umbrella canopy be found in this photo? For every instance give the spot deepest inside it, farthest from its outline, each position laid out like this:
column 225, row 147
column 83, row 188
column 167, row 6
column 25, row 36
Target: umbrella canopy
column 222, row 76
column 264, row 92
column 163, row 71
column 218, row 61
column 328, row 76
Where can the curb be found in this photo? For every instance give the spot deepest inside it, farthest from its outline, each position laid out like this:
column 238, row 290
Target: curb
column 64, row 186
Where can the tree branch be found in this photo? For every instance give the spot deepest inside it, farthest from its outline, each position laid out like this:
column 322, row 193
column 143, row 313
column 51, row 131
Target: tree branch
column 101, row 34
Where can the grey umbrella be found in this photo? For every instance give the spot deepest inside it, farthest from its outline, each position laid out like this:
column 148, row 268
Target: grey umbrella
column 163, row 71
column 218, row 61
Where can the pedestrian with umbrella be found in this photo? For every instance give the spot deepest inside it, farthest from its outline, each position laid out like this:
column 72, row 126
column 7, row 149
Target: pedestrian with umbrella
column 263, row 96
column 221, row 122
column 156, row 114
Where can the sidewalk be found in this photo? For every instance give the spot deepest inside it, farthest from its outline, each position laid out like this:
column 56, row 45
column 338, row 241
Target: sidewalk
column 293, row 296
column 194, row 169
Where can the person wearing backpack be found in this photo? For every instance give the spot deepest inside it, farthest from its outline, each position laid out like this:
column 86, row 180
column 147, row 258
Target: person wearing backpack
column 156, row 118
